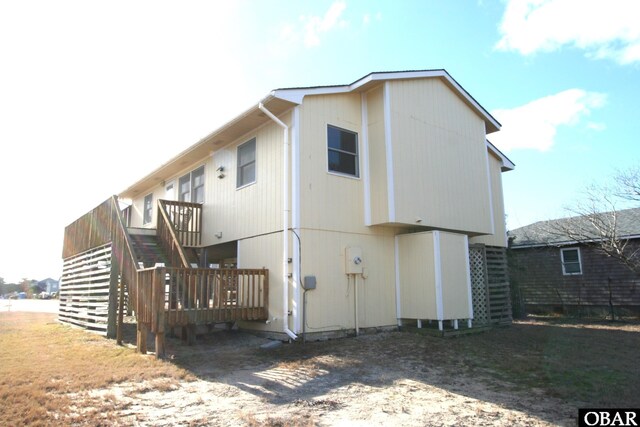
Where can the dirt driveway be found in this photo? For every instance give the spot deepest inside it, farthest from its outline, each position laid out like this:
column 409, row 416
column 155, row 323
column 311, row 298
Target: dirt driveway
column 383, row 379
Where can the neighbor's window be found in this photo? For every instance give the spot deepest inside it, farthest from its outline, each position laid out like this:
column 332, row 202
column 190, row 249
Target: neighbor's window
column 148, row 209
column 191, row 186
column 246, row 163
column 342, row 151
column 571, row 261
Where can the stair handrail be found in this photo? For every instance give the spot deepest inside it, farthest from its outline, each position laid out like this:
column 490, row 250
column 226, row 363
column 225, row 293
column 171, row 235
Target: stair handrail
column 173, row 246
column 126, row 262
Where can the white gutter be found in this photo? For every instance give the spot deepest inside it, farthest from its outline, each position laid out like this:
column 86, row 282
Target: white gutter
column 285, row 222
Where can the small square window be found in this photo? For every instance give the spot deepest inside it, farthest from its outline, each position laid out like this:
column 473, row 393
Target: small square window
column 246, row 163
column 342, row 146
column 571, row 262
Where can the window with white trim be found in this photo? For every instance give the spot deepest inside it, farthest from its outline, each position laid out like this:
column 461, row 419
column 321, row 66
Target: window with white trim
column 342, row 151
column 191, row 186
column 571, row 262
column 147, row 214
column 246, row 164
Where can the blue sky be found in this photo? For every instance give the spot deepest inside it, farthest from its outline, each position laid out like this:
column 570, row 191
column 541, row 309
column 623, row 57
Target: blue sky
column 93, row 95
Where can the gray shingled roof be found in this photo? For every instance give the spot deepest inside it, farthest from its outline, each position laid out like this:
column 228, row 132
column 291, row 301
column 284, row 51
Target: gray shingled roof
column 553, row 232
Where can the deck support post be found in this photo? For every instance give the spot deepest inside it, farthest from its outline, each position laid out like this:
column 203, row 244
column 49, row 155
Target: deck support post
column 160, row 347
column 141, row 339
column 189, row 334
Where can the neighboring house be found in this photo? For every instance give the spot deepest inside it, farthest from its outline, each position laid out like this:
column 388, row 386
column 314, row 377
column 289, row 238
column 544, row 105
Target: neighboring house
column 554, row 271
column 48, row 285
column 382, row 188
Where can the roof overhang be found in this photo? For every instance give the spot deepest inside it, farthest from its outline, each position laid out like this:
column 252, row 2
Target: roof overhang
column 281, row 100
column 507, row 165
column 231, row 131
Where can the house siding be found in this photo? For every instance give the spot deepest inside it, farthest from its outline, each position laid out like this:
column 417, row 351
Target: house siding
column 331, row 306
column 433, row 263
column 377, row 156
column 440, row 174
column 252, row 210
column 499, row 238
column 537, row 273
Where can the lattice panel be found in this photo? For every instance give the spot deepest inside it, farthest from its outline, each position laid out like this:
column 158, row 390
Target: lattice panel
column 479, row 285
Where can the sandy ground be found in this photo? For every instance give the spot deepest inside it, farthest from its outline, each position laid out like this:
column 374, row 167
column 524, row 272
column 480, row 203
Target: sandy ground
column 382, row 379
column 29, row 305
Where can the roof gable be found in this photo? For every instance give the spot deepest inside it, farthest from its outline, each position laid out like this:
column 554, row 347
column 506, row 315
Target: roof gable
column 296, row 95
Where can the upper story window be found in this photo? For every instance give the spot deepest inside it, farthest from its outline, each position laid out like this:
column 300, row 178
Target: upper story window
column 191, row 186
column 342, row 148
column 246, row 163
column 571, row 262
column 147, row 214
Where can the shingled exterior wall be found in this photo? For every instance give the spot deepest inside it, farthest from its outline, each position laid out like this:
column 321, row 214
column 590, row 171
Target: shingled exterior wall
column 537, row 273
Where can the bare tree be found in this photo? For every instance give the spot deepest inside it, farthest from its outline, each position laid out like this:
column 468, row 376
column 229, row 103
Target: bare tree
column 599, row 223
column 628, row 184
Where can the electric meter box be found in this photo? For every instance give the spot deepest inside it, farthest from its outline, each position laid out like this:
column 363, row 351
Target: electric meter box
column 354, row 263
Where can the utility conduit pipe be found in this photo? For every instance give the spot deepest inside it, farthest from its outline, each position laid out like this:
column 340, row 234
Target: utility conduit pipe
column 285, row 222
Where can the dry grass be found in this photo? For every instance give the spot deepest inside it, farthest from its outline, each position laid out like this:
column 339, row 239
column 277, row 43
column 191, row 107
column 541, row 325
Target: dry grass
column 46, row 367
column 543, row 368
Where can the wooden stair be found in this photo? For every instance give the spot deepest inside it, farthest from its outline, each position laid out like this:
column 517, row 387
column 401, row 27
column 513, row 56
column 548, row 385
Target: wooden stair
column 148, row 250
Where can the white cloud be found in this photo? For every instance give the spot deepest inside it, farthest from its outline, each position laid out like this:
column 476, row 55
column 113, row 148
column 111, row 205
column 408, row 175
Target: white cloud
column 596, row 126
column 534, row 125
column 315, row 25
column 603, row 29
column 366, row 19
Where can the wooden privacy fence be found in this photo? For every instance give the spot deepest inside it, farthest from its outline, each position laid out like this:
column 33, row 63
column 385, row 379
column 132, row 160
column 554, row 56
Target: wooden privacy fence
column 88, row 273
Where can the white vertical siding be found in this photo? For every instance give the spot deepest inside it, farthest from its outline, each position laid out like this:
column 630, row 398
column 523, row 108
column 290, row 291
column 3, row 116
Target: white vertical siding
column 265, row 251
column 499, row 238
column 433, row 266
column 377, row 157
column 251, row 210
column 454, row 266
column 417, row 272
column 440, row 173
column 331, row 305
column 329, row 201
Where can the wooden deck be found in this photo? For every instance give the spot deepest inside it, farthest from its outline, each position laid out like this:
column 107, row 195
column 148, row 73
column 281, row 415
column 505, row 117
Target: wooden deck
column 98, row 245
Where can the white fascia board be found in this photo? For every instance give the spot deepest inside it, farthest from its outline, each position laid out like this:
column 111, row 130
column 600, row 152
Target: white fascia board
column 507, row 165
column 296, row 95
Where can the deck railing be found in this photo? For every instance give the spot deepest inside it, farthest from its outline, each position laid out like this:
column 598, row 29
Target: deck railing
column 202, row 295
column 190, row 296
column 167, row 234
column 186, row 219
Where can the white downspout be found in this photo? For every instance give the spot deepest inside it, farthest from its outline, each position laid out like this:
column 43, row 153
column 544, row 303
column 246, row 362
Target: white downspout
column 285, row 222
